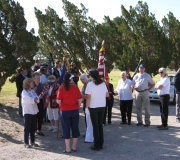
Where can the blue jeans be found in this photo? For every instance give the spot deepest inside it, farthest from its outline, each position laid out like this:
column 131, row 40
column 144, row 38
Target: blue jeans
column 70, row 121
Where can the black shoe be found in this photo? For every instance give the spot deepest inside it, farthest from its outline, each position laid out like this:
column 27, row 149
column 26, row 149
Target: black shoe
column 139, row 124
column 159, row 126
column 163, row 128
column 94, row 148
column 40, row 133
column 109, row 122
column 123, row 122
column 129, row 123
column 146, row 125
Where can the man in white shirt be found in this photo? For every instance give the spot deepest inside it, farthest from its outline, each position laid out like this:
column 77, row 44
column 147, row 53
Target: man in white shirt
column 163, row 87
column 142, row 83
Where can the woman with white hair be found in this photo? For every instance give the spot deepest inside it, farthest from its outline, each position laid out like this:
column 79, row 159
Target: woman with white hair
column 89, row 129
column 163, row 87
column 84, row 79
column 125, row 96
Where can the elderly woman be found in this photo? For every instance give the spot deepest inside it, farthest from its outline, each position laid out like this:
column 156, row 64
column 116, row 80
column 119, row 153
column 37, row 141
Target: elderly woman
column 125, row 96
column 97, row 92
column 89, row 129
column 52, row 106
column 69, row 99
column 163, row 87
column 38, row 88
column 30, row 110
column 84, row 79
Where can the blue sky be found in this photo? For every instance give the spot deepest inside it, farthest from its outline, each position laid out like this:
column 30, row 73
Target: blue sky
column 98, row 8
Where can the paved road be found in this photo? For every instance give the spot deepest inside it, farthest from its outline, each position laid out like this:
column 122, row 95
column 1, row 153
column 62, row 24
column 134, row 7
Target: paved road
column 122, row 142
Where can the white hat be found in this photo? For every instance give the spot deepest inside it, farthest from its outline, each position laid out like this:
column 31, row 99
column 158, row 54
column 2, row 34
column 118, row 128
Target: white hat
column 71, row 76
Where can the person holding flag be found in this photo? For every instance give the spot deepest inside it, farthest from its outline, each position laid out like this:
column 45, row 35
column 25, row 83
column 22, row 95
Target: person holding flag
column 64, row 68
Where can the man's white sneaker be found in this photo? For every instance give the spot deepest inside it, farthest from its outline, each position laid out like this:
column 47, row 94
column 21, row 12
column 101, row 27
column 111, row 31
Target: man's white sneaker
column 50, row 128
column 54, row 130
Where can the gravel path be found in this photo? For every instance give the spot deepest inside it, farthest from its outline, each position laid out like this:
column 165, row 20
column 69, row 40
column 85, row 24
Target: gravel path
column 122, row 142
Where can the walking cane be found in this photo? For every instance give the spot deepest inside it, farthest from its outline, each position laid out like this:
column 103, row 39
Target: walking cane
column 58, row 127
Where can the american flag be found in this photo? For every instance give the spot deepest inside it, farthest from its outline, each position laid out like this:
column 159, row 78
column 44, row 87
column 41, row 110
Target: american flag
column 101, row 65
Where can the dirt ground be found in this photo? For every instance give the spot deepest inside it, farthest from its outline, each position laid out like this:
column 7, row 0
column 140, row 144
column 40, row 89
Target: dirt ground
column 124, row 142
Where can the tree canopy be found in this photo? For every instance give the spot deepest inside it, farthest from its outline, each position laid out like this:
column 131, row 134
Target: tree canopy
column 134, row 34
column 17, row 45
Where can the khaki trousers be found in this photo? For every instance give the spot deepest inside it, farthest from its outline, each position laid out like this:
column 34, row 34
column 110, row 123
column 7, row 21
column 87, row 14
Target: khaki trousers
column 142, row 100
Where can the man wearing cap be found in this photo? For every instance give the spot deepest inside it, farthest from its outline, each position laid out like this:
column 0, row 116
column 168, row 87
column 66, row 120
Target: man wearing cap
column 142, row 84
column 56, row 71
column 74, row 70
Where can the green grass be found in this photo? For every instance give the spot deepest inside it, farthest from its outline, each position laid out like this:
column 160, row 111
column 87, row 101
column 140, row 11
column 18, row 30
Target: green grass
column 8, row 92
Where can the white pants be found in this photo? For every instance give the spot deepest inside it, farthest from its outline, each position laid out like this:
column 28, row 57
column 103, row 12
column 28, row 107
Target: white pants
column 52, row 113
column 89, row 130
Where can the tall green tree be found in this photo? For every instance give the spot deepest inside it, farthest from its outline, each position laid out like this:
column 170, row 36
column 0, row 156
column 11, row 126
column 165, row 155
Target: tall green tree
column 80, row 35
column 171, row 27
column 142, row 36
column 16, row 44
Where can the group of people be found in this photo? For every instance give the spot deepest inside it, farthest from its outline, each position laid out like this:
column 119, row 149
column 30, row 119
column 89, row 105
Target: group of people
column 142, row 83
column 97, row 97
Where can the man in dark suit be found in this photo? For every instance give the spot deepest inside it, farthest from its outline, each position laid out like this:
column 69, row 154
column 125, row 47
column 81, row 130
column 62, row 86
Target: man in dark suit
column 19, row 85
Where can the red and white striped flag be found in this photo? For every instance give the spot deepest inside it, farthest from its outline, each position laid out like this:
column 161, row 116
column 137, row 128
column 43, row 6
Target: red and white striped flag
column 101, row 65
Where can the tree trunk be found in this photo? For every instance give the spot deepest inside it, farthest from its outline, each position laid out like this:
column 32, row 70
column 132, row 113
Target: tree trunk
column 2, row 81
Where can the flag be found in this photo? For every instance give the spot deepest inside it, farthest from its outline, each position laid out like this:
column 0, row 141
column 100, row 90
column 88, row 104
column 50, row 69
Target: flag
column 64, row 69
column 101, row 65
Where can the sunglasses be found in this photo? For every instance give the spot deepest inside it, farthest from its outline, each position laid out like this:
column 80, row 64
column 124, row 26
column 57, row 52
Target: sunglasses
column 160, row 72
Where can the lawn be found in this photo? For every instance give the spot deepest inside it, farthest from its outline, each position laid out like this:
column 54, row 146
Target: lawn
column 8, row 93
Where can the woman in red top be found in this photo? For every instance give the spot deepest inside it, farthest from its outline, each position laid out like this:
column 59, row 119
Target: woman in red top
column 69, row 99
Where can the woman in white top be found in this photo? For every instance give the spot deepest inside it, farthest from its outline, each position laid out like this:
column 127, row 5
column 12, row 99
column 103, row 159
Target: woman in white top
column 30, row 110
column 125, row 96
column 97, row 92
column 163, row 87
